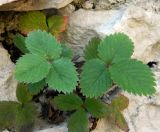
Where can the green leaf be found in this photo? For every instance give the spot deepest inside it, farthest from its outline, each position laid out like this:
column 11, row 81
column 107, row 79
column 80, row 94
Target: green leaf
column 7, row 114
column 96, row 107
column 68, row 102
column 30, row 21
column 35, row 88
column 66, row 52
column 43, row 44
column 115, row 48
column 62, row 76
column 56, row 24
column 23, row 94
column 31, row 68
column 25, row 118
column 78, row 122
column 95, row 78
column 90, row 51
column 134, row 77
column 19, row 42
column 114, row 115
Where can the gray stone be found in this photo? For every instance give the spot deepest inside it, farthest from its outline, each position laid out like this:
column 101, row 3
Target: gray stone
column 7, row 82
column 26, row 5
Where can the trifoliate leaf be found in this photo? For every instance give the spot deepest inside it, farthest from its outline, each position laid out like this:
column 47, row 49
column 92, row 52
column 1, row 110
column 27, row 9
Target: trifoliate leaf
column 115, row 47
column 25, row 118
column 7, row 114
column 67, row 102
column 78, row 122
column 114, row 115
column 19, row 41
column 66, row 52
column 23, row 95
column 57, row 24
column 96, row 107
column 30, row 21
column 31, row 68
column 134, row 77
column 95, row 78
column 62, row 76
column 90, row 51
column 43, row 44
column 35, row 88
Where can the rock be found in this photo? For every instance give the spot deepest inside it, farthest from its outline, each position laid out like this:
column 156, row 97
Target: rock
column 54, row 128
column 150, row 5
column 140, row 25
column 26, row 5
column 66, row 11
column 6, row 1
column 109, row 4
column 87, row 5
column 7, row 83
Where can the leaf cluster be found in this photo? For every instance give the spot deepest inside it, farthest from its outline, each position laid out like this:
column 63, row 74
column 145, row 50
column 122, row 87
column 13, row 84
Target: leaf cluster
column 109, row 62
column 79, row 122
column 35, row 20
column 45, row 61
column 18, row 115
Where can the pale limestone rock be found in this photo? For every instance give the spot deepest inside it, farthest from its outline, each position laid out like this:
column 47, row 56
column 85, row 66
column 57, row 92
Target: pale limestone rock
column 6, row 1
column 7, row 83
column 26, row 5
column 140, row 25
column 87, row 5
column 66, row 11
column 55, row 128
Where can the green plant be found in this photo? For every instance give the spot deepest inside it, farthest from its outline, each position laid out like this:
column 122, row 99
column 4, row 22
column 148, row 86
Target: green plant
column 46, row 62
column 111, row 64
column 108, row 63
column 18, row 115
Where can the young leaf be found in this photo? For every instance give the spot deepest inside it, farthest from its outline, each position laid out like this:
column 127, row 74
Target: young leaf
column 30, row 21
column 96, row 107
column 25, row 118
column 43, row 44
column 120, row 103
column 62, row 76
column 35, row 88
column 31, row 68
column 134, row 77
column 78, row 122
column 7, row 114
column 68, row 102
column 90, row 51
column 114, row 115
column 95, row 78
column 66, row 52
column 115, row 47
column 23, row 94
column 19, row 41
column 57, row 24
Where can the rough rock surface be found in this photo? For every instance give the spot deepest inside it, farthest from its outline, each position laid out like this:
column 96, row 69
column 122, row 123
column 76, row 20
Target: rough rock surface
column 7, row 83
column 142, row 26
column 6, row 1
column 26, row 5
